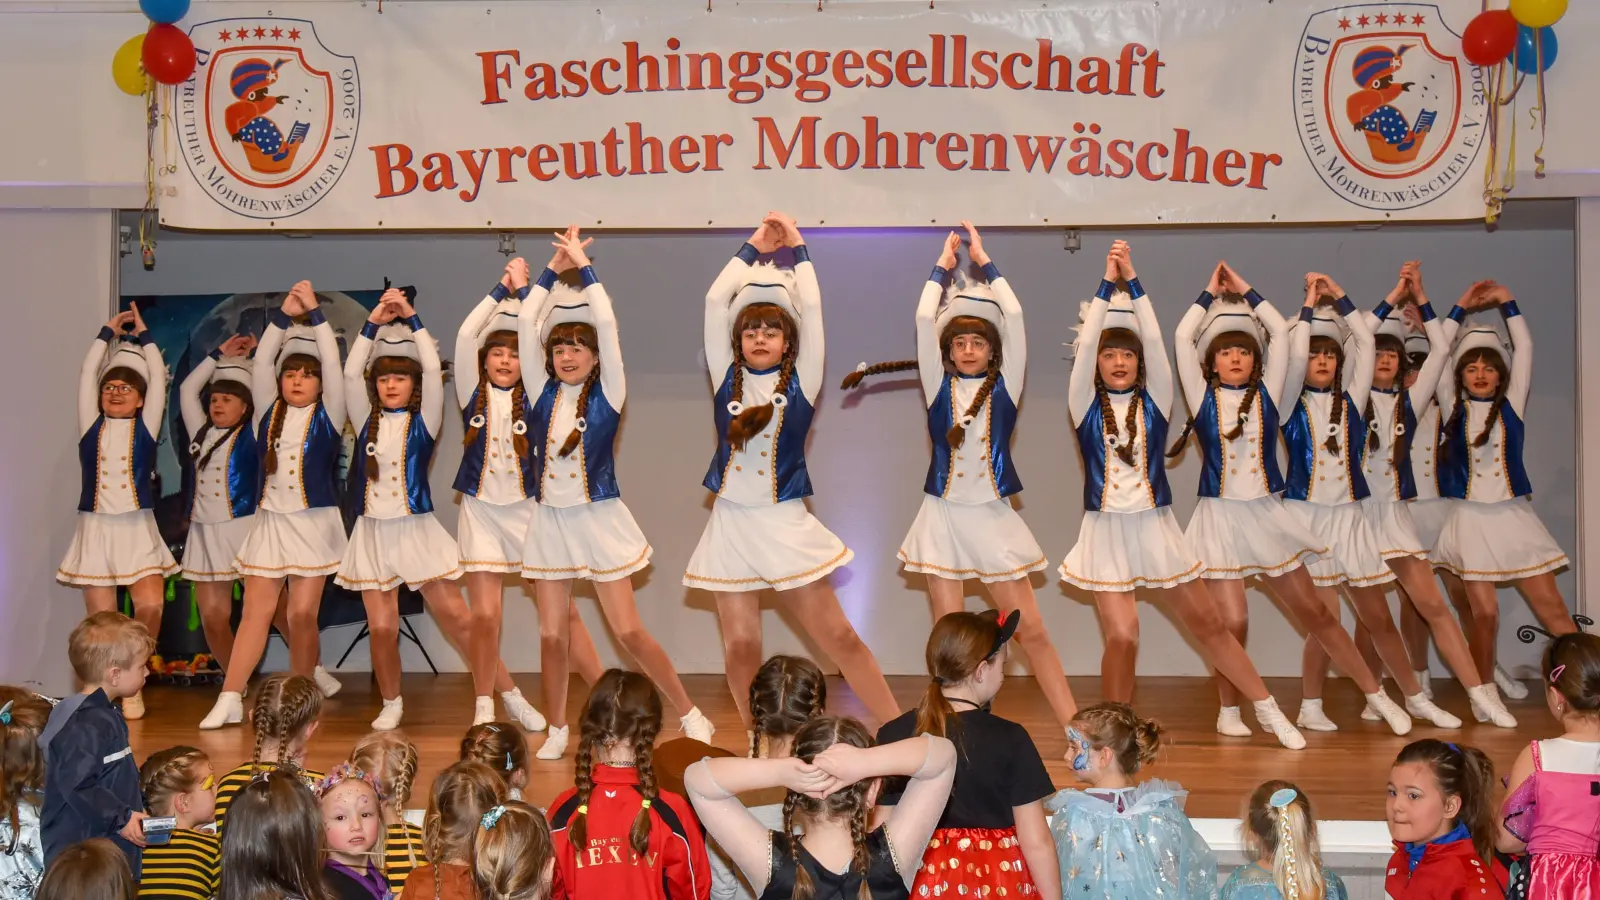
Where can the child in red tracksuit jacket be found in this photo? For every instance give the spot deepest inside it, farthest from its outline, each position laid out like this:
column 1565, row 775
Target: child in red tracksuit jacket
column 616, row 834
column 1442, row 823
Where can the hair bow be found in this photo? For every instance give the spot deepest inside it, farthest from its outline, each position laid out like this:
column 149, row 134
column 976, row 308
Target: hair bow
column 5, row 713
column 1282, row 797
column 492, row 816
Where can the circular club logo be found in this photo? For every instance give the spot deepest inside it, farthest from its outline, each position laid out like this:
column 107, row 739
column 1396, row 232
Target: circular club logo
column 1388, row 119
column 268, row 122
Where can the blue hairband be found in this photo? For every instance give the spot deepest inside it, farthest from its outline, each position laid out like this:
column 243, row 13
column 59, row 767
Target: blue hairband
column 492, row 816
column 5, row 713
column 1282, row 797
column 1452, row 746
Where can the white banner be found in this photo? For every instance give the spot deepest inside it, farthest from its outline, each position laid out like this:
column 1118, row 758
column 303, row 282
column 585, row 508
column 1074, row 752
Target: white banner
column 679, row 115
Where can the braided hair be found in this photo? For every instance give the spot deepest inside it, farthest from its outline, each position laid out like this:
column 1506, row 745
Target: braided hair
column 461, row 795
column 1230, row 340
column 1458, row 418
column 623, row 710
column 508, row 861
column 958, row 326
column 167, row 773
column 753, row 420
column 861, row 374
column 388, row 365
column 1321, row 345
column 1121, row 339
column 286, row 707
column 498, row 745
column 1388, row 343
column 574, row 334
column 233, row 389
column 818, row 735
column 480, row 411
column 1286, row 838
column 391, row 757
column 1133, row 741
column 294, row 362
column 787, row 692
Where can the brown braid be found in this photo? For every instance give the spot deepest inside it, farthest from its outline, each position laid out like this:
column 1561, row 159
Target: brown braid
column 286, row 706
column 461, row 795
column 639, row 835
column 1246, row 404
column 860, row 859
column 1370, row 415
column 392, row 757
column 294, row 362
column 1107, row 416
column 369, row 462
column 817, row 735
column 803, row 888
column 167, row 773
column 571, row 443
column 519, row 401
column 786, row 693
column 583, row 780
column 751, row 422
column 480, row 409
column 1494, row 416
column 957, row 435
column 623, row 710
column 883, row 368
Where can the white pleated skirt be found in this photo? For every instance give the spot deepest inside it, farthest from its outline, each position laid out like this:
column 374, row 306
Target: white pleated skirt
column 212, row 551
column 598, row 541
column 987, row 541
column 385, row 553
column 1428, row 516
column 307, row 543
column 491, row 536
column 1353, row 555
column 1243, row 538
column 747, row 548
column 1392, row 526
column 1119, row 551
column 1501, row 541
column 110, row 549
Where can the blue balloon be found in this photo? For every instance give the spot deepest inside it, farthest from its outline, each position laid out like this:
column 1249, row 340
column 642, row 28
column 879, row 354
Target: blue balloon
column 164, row 12
column 1530, row 60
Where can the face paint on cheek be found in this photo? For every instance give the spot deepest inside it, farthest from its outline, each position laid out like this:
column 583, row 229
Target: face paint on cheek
column 1080, row 763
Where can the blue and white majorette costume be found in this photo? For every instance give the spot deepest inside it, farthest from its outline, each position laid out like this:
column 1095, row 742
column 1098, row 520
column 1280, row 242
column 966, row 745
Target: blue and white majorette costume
column 1429, row 509
column 223, row 475
column 497, row 484
column 1325, row 487
column 1494, row 535
column 967, row 527
column 760, row 533
column 581, row 528
column 116, row 541
column 1130, row 844
column 1397, row 415
column 1129, row 537
column 1240, row 527
column 396, row 538
column 297, row 529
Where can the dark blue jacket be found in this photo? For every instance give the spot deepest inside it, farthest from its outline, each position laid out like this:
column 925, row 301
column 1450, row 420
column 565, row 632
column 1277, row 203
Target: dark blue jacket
column 91, row 783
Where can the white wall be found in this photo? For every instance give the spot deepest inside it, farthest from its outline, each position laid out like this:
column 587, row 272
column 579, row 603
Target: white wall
column 868, row 453
column 59, row 269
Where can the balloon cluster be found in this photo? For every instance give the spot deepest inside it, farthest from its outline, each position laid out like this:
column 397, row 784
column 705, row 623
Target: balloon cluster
column 164, row 53
column 1520, row 35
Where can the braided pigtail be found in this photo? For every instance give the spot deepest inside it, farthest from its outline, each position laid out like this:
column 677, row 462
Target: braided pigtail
column 1455, row 422
column 274, row 433
column 1108, row 419
column 860, row 858
column 1402, row 438
column 864, row 371
column 519, row 437
column 1212, row 383
column 1335, row 406
column 803, row 888
column 1370, row 414
column 480, row 407
column 639, row 835
column 369, row 454
column 571, row 443
column 755, row 419
column 583, row 779
column 1494, row 417
column 957, row 435
column 1135, row 407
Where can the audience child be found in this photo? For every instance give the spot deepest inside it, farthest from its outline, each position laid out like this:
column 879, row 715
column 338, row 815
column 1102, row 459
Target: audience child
column 513, row 857
column 499, row 745
column 460, row 797
column 352, row 832
column 391, row 758
column 1441, row 821
column 96, row 869
column 1280, row 835
column 270, row 849
column 179, row 783
column 22, row 716
column 284, row 717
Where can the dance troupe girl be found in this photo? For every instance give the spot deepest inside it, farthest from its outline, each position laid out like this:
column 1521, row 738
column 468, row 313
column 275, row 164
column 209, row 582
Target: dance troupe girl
column 1120, row 394
column 122, row 396
column 1233, row 361
column 296, row 534
column 580, row 527
column 763, row 334
column 1325, row 437
column 972, row 356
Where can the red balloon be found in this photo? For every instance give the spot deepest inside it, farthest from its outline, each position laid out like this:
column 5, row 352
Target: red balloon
column 1489, row 37
column 169, row 54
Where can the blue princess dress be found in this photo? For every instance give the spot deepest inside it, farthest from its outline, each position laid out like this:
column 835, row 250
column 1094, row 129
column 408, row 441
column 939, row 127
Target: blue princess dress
column 1130, row 844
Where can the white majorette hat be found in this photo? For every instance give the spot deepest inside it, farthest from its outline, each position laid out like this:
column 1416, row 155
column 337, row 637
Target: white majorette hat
column 766, row 283
column 1228, row 317
column 565, row 304
column 502, row 318
column 1394, row 326
column 1418, row 343
column 1324, row 325
column 965, row 297
column 128, row 354
column 1120, row 315
column 298, row 339
column 1481, row 337
column 231, row 368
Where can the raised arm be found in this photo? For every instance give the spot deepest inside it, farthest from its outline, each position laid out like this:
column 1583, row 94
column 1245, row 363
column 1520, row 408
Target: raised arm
column 1521, row 354
column 155, row 395
column 1358, row 368
column 1013, row 333
column 1086, row 357
column 333, row 395
column 355, row 374
column 719, row 324
column 264, row 374
column 189, row 405
column 466, row 368
column 89, row 374
column 813, row 346
column 929, row 762
column 1422, row 391
column 930, row 360
column 529, row 348
column 432, row 376
column 1157, row 368
column 1191, row 375
column 612, row 379
column 1275, row 368
column 714, row 786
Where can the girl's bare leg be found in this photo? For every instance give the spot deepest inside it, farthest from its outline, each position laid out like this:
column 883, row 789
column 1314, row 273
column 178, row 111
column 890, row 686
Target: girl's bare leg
column 260, row 605
column 1017, row 594
column 1119, row 624
column 818, row 610
column 1299, row 594
column 1227, row 595
column 622, row 614
column 739, row 614
column 383, row 638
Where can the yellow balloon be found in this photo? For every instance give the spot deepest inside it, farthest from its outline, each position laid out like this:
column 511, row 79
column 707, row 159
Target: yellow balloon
column 127, row 70
column 1538, row 13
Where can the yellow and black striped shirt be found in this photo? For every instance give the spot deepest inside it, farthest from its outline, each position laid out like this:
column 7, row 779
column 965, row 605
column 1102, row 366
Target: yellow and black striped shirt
column 402, row 853
column 229, row 785
column 188, row 867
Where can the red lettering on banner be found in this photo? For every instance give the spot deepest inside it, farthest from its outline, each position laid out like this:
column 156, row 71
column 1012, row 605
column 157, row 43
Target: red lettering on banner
column 878, row 62
column 1258, row 168
column 914, row 142
column 951, row 143
column 983, row 63
column 1048, row 63
column 541, row 82
column 1227, row 159
column 841, row 159
column 1125, row 68
column 1008, row 70
column 392, row 158
column 569, row 160
column 1118, row 152
column 1042, row 148
column 889, row 141
column 475, row 165
column 960, row 77
column 574, row 80
column 1181, row 154
column 495, row 74
column 907, row 62
column 683, row 147
column 805, row 134
column 632, row 63
column 982, row 145
column 1085, row 157
column 503, row 157
column 539, row 157
column 809, row 90
column 845, row 65
column 1143, row 164
column 1152, row 64
column 1096, row 77
column 713, row 143
column 437, row 173
column 638, row 143
column 597, row 76
column 937, row 79
column 698, row 71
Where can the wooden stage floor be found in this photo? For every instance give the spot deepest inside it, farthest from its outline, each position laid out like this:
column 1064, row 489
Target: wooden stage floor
column 1344, row 772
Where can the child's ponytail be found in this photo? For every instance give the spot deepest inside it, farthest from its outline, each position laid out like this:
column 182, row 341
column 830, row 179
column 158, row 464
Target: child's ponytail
column 1284, row 832
column 959, row 643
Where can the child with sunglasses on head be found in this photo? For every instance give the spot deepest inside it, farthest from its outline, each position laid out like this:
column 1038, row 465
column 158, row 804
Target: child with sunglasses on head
column 1551, row 811
column 1280, row 834
column 179, row 782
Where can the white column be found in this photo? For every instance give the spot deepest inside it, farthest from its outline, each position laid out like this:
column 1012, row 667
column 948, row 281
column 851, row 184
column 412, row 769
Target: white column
column 1587, row 266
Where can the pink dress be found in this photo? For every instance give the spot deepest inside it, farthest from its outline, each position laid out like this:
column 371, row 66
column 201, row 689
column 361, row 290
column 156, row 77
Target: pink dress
column 1557, row 814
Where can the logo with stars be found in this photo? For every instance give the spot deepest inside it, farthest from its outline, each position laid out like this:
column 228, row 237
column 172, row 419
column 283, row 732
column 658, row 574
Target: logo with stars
column 268, row 121
column 1388, row 112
